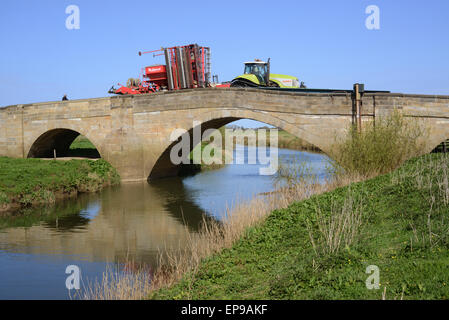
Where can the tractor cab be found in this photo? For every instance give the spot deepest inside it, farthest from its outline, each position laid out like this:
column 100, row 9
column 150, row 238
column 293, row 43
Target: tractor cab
column 259, row 69
column 257, row 75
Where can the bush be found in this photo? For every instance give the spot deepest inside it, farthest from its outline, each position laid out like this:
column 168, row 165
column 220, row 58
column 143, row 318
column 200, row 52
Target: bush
column 380, row 147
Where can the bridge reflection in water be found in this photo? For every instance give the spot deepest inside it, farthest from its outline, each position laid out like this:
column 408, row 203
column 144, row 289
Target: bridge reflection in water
column 130, row 222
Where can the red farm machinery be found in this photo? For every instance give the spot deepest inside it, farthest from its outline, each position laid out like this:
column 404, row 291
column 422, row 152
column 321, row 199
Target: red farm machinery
column 185, row 67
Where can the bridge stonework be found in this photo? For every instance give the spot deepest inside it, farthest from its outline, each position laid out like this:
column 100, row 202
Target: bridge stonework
column 133, row 132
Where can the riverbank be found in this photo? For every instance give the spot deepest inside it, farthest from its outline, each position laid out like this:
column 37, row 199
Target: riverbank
column 218, row 161
column 289, row 141
column 285, row 141
column 320, row 248
column 32, row 182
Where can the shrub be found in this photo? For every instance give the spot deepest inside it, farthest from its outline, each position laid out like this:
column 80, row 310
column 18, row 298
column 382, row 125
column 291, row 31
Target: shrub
column 380, row 147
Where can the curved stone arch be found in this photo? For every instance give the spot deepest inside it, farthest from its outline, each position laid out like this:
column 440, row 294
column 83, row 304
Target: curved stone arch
column 432, row 145
column 265, row 117
column 162, row 166
column 439, row 133
column 59, row 138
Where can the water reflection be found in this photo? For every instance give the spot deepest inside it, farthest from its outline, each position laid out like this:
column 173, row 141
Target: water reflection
column 134, row 221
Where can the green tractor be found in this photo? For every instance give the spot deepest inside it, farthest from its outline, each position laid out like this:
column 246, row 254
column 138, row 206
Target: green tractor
column 257, row 74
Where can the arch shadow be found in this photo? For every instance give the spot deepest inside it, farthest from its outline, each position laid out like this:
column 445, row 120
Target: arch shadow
column 59, row 141
column 442, row 147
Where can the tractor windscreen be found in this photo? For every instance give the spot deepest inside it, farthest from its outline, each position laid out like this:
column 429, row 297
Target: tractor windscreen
column 258, row 69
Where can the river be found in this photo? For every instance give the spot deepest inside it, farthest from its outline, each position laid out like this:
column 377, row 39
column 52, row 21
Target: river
column 129, row 222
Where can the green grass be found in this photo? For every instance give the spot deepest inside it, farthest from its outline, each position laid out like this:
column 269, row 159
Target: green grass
column 82, row 147
column 404, row 230
column 81, row 142
column 25, row 182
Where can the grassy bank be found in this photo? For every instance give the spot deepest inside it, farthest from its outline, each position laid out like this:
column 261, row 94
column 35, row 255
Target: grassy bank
column 28, row 182
column 289, row 141
column 309, row 240
column 319, row 248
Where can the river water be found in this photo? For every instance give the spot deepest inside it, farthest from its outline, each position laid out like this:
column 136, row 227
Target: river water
column 129, row 222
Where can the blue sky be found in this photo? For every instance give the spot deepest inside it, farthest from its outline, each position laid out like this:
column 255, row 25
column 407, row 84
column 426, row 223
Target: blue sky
column 323, row 43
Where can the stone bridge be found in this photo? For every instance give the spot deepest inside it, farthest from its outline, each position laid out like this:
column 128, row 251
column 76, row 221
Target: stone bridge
column 133, row 132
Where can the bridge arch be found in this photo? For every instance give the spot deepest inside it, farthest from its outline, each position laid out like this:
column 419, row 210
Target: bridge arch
column 443, row 146
column 163, row 166
column 58, row 139
column 438, row 135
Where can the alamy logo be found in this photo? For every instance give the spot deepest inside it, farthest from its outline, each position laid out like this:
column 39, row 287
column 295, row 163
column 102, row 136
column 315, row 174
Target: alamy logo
column 73, row 280
column 372, row 282
column 372, row 22
column 214, row 153
column 73, row 20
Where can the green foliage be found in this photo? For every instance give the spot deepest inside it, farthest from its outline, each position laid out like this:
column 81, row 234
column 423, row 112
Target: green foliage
column 4, row 198
column 381, row 146
column 81, row 142
column 404, row 230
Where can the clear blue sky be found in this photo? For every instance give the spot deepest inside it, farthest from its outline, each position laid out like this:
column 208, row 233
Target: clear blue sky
column 323, row 43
